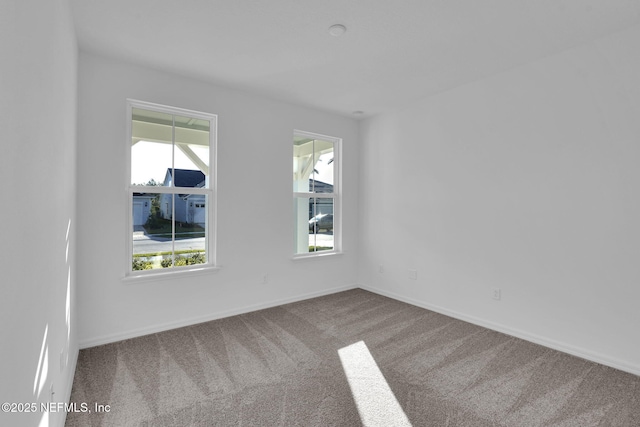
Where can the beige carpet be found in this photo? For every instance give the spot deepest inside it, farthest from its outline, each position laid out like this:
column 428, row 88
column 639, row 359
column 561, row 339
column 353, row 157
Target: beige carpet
column 346, row 359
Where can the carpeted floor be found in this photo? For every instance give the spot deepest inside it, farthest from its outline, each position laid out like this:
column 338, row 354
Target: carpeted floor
column 346, row 359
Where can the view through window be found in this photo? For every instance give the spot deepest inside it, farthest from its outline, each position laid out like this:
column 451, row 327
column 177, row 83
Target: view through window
column 170, row 187
column 315, row 192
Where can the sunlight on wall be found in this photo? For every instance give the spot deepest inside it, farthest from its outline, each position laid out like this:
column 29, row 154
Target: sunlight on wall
column 377, row 405
column 44, row 420
column 43, row 366
column 68, row 301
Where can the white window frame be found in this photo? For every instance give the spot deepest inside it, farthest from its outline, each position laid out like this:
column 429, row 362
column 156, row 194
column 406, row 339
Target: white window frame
column 336, row 195
column 210, row 192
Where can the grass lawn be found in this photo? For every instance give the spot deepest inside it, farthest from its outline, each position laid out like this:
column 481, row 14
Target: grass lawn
column 166, row 253
column 319, row 248
column 183, row 230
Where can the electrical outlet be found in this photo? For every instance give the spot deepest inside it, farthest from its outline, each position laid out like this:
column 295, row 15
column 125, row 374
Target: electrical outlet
column 265, row 279
column 380, row 268
column 51, row 393
column 496, row 293
column 413, row 274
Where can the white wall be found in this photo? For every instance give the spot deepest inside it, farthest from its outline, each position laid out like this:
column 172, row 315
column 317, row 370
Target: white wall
column 38, row 93
column 255, row 205
column 527, row 181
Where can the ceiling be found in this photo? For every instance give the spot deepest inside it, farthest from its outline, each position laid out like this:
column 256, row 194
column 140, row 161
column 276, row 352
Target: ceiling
column 392, row 53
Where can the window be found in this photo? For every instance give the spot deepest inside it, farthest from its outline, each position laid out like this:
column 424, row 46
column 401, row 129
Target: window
column 170, row 188
column 316, row 193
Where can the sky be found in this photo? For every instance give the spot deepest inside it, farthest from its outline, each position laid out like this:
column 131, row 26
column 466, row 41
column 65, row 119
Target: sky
column 150, row 160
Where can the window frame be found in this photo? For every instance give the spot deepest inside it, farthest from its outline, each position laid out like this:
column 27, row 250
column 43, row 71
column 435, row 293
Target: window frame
column 336, row 195
column 210, row 192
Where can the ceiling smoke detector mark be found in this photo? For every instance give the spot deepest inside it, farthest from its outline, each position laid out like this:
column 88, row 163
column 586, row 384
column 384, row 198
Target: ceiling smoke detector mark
column 337, row 30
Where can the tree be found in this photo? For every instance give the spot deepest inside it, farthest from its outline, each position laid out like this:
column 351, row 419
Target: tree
column 153, row 221
column 151, row 183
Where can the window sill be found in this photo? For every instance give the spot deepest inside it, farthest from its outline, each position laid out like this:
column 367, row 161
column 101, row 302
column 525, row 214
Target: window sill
column 315, row 255
column 169, row 275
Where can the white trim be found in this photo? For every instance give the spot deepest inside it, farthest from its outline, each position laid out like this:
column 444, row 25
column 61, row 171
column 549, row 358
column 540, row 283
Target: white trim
column 128, row 194
column 168, row 109
column 536, row 339
column 140, row 276
column 161, row 327
column 314, row 135
column 315, row 255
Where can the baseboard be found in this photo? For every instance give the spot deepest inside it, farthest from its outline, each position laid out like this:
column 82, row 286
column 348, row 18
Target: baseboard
column 546, row 342
column 133, row 333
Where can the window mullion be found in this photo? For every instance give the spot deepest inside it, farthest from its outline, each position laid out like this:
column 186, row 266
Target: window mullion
column 173, row 196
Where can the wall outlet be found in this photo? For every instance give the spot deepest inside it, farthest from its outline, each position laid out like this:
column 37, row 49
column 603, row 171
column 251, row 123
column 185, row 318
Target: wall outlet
column 380, row 268
column 265, row 279
column 495, row 293
column 413, row 274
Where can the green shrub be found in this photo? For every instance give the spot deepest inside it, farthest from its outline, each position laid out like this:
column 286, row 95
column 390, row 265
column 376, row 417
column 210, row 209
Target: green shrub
column 319, row 248
column 197, row 258
column 139, row 264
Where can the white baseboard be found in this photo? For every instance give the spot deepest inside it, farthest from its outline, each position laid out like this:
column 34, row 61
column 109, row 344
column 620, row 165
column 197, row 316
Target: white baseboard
column 107, row 339
column 546, row 342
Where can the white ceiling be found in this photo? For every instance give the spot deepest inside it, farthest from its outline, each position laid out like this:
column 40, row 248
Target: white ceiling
column 392, row 53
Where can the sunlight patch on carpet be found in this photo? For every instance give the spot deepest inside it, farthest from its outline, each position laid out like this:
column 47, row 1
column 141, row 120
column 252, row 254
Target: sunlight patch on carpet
column 377, row 405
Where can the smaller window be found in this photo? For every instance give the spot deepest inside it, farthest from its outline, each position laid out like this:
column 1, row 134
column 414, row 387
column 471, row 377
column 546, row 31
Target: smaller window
column 316, row 193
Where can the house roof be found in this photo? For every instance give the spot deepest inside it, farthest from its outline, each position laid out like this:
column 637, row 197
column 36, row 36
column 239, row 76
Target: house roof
column 187, row 177
column 319, row 186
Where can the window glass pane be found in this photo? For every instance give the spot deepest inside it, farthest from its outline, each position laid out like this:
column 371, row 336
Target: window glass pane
column 302, row 163
column 152, row 231
column 190, row 218
column 313, row 224
column 191, row 150
column 169, row 230
column 154, row 153
column 321, row 225
column 312, row 165
column 150, row 162
column 151, row 146
column 322, row 175
column 150, row 125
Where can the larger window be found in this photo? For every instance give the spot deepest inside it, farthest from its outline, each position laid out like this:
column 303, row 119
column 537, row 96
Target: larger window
column 316, row 193
column 170, row 188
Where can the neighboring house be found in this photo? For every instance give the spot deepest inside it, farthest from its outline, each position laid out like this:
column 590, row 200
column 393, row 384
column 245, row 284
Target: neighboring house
column 189, row 208
column 141, row 207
